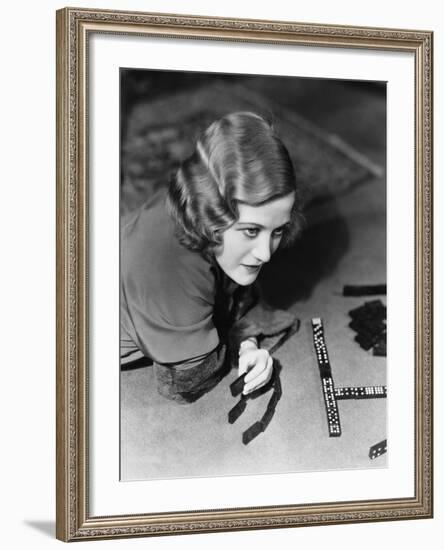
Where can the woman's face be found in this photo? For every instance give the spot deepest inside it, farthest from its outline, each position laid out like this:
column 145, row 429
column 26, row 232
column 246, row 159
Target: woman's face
column 253, row 238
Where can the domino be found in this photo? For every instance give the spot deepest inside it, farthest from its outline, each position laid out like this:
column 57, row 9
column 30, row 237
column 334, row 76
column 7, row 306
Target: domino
column 274, row 400
column 361, row 392
column 364, row 290
column 364, row 341
column 252, row 432
column 368, row 327
column 378, row 449
column 374, row 309
column 266, row 419
column 286, row 336
column 380, row 347
column 328, row 390
column 236, row 411
column 238, row 385
column 277, row 386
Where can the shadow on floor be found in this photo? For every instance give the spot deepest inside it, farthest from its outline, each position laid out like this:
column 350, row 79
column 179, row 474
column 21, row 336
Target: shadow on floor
column 45, row 527
column 295, row 272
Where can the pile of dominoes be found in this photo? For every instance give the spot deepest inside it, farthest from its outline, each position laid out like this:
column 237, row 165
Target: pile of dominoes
column 369, row 321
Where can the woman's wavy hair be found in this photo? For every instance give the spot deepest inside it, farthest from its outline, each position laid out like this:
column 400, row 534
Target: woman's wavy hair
column 237, row 159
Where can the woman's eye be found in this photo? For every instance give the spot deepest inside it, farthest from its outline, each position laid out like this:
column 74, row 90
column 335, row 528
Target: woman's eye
column 251, row 232
column 279, row 232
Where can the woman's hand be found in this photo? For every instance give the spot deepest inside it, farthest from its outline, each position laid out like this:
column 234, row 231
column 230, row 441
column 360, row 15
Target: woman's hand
column 257, row 362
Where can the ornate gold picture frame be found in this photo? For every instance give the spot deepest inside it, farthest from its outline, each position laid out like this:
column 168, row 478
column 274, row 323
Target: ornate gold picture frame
column 77, row 472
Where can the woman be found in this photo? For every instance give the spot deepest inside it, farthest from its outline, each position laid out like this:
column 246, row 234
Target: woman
column 191, row 254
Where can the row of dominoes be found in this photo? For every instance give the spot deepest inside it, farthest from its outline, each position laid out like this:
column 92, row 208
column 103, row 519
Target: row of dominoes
column 261, row 425
column 328, row 390
column 334, row 425
column 361, row 392
column 320, row 347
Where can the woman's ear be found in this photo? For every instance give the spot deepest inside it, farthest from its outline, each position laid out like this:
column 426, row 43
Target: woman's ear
column 217, row 237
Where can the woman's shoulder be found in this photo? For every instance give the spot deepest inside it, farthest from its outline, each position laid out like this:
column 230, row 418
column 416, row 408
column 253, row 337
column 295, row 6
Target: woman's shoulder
column 152, row 256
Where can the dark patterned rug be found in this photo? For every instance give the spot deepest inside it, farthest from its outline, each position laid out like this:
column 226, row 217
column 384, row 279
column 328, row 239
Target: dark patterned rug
column 161, row 133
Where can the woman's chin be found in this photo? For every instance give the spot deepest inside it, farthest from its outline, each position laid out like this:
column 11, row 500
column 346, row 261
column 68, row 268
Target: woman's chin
column 244, row 277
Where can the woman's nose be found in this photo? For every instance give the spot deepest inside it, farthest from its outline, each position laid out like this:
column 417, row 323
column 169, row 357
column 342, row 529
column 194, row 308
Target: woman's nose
column 262, row 250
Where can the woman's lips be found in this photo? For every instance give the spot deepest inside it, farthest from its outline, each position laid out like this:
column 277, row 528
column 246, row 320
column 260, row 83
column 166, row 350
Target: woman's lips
column 252, row 268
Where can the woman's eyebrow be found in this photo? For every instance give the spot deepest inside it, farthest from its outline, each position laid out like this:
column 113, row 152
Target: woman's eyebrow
column 250, row 224
column 254, row 224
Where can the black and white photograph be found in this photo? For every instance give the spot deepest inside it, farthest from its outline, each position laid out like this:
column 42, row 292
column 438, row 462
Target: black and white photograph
column 253, row 274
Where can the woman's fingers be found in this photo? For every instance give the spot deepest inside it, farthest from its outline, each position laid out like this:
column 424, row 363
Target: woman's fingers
column 247, row 360
column 260, row 366
column 260, row 374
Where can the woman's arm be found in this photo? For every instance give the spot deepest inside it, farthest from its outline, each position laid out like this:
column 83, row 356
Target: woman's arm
column 186, row 381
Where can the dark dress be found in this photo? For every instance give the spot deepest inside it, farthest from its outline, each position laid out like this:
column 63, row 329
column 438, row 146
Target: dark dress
column 175, row 304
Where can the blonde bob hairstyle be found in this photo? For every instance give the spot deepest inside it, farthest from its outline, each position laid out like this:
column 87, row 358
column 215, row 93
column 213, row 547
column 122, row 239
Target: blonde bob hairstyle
column 237, row 159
